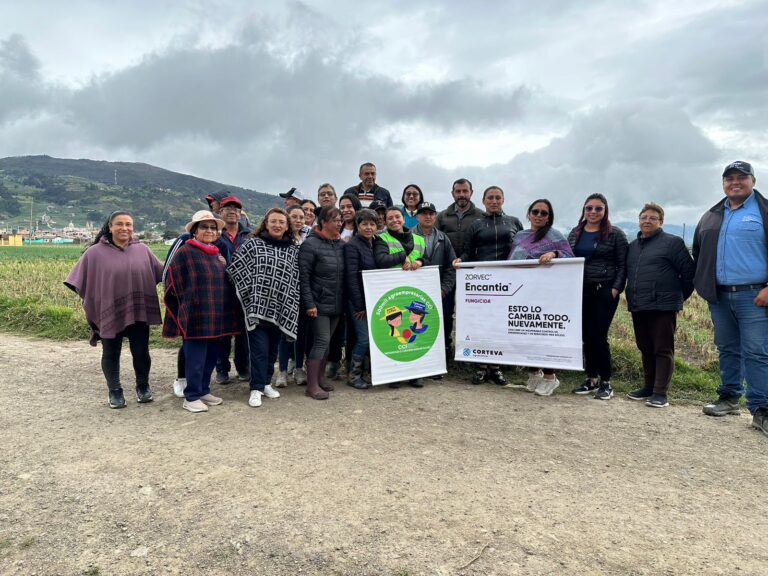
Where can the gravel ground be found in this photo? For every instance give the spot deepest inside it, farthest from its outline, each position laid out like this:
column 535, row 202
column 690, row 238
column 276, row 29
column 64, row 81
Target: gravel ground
column 449, row 479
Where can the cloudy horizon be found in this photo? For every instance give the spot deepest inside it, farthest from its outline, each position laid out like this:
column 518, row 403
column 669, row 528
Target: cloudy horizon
column 641, row 101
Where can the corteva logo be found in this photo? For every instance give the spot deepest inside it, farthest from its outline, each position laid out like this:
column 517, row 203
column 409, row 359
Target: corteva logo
column 481, row 352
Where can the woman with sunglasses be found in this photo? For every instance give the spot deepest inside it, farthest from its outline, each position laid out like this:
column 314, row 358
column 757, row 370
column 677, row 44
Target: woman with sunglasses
column 200, row 306
column 541, row 242
column 604, row 249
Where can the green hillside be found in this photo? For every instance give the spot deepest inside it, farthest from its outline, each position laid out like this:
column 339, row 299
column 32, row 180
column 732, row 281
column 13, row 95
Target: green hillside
column 54, row 192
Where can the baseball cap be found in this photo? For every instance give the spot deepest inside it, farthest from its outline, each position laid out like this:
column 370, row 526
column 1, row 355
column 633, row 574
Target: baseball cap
column 426, row 207
column 739, row 166
column 377, row 205
column 292, row 193
column 231, row 200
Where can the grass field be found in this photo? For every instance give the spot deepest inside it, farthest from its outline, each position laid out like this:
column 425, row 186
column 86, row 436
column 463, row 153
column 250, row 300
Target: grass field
column 34, row 301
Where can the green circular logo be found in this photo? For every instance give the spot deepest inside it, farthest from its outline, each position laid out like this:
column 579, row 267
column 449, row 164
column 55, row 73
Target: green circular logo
column 405, row 324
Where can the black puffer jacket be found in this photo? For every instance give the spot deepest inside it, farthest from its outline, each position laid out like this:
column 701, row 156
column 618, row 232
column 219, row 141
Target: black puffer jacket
column 659, row 273
column 358, row 255
column 490, row 238
column 608, row 264
column 321, row 274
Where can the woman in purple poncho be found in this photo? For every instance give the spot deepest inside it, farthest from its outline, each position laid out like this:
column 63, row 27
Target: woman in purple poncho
column 117, row 277
column 541, row 242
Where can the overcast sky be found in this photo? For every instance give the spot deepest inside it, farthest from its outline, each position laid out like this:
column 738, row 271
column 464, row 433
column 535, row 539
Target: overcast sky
column 640, row 100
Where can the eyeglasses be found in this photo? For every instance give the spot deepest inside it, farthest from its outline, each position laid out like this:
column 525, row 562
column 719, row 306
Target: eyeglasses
column 537, row 212
column 736, row 178
column 649, row 218
column 594, row 208
column 325, row 194
column 207, row 227
column 411, row 194
column 231, row 209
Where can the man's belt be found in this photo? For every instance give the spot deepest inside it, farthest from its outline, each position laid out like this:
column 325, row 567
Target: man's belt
column 739, row 287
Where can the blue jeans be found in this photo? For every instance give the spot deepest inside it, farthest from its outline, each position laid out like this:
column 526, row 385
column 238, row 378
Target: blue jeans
column 361, row 331
column 200, row 358
column 741, row 337
column 263, row 341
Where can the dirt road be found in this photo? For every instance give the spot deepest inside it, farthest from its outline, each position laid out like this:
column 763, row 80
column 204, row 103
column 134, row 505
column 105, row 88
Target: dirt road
column 449, row 479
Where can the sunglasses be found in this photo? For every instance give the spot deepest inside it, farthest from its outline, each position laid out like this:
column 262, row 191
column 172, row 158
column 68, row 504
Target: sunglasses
column 594, row 208
column 537, row 212
column 207, row 227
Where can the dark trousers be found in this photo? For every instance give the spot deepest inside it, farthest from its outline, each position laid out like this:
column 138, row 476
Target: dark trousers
column 598, row 308
column 449, row 304
column 241, row 354
column 655, row 337
column 181, row 367
column 321, row 328
column 343, row 337
column 295, row 349
column 263, row 342
column 138, row 341
column 200, row 360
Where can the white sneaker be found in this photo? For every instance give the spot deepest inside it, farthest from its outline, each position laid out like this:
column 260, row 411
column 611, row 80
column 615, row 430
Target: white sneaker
column 282, row 380
column 178, row 387
column 534, row 378
column 255, row 399
column 270, row 392
column 291, row 365
column 194, row 406
column 547, row 386
column 300, row 375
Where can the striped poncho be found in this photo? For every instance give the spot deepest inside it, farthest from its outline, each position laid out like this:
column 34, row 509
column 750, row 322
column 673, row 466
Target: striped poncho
column 265, row 272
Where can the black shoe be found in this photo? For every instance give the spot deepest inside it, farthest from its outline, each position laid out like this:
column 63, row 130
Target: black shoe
column 394, row 384
column 604, row 391
column 588, row 387
column 480, row 376
column 722, row 407
column 144, row 394
column 416, row 383
column 116, row 398
column 437, row 377
column 657, row 401
column 495, row 375
column 760, row 420
column 640, row 394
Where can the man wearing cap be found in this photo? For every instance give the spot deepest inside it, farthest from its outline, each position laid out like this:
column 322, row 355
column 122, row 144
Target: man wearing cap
column 291, row 198
column 234, row 234
column 439, row 252
column 730, row 248
column 368, row 191
column 458, row 217
column 214, row 204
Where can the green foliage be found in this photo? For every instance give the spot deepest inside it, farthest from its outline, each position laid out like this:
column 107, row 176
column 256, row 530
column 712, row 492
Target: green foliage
column 85, row 190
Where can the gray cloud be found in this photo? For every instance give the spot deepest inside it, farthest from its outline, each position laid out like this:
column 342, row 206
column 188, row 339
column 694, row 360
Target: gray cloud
column 22, row 88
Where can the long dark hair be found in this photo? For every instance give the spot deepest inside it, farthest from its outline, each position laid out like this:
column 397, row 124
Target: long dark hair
column 541, row 232
column 104, row 231
column 605, row 224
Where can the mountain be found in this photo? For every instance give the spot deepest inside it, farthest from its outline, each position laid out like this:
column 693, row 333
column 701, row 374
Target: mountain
column 53, row 192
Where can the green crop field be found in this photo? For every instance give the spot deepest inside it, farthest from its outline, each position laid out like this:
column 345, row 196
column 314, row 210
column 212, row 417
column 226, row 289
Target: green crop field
column 34, row 301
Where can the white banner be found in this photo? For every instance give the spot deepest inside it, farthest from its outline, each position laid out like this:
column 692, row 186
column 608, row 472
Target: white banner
column 405, row 324
column 519, row 312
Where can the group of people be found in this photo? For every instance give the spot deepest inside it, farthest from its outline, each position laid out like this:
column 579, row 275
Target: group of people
column 292, row 287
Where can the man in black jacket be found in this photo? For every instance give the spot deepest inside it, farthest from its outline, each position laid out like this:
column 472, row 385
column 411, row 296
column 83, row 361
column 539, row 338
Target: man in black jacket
column 730, row 247
column 458, row 217
column 368, row 191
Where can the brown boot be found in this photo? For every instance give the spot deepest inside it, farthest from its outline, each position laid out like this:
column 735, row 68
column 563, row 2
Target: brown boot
column 313, row 390
column 325, row 384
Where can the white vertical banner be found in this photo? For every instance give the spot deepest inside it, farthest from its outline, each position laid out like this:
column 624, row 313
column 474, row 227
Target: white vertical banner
column 405, row 323
column 519, row 312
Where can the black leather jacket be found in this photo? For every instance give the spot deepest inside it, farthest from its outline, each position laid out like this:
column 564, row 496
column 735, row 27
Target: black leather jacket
column 608, row 264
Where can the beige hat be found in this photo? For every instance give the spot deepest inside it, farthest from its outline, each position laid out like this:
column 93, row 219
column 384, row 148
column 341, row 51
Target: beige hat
column 202, row 216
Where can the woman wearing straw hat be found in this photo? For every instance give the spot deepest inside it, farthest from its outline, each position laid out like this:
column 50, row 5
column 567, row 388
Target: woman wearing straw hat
column 200, row 307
